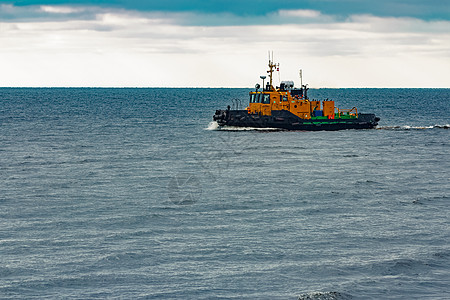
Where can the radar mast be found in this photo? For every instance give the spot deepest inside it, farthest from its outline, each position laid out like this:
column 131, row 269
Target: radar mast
column 272, row 66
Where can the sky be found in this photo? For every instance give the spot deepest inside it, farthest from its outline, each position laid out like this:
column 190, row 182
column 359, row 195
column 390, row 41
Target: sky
column 224, row 43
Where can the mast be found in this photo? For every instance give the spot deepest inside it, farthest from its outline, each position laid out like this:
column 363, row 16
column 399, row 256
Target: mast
column 272, row 65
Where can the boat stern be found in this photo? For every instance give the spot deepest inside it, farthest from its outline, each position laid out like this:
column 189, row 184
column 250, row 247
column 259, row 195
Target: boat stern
column 370, row 119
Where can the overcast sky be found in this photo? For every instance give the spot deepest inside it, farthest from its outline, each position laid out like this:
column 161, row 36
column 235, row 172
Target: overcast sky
column 224, row 43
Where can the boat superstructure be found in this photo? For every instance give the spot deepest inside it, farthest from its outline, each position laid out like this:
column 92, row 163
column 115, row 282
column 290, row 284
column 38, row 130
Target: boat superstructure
column 287, row 107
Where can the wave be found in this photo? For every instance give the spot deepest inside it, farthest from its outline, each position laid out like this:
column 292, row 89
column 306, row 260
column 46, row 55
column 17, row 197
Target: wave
column 324, row 296
column 214, row 126
column 409, row 127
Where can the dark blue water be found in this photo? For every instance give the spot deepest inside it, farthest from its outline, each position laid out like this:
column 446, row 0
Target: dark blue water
column 125, row 193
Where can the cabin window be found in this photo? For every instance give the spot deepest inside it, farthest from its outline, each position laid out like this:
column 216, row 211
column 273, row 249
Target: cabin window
column 266, row 99
column 285, row 98
column 252, row 98
column 257, row 98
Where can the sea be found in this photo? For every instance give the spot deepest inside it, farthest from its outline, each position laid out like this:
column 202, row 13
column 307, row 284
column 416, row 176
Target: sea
column 134, row 193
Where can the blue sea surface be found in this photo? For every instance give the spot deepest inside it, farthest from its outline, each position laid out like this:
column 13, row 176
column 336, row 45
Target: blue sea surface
column 134, row 193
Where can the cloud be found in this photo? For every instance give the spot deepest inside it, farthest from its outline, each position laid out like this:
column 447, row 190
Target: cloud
column 418, row 9
column 60, row 9
column 299, row 13
column 10, row 13
column 95, row 46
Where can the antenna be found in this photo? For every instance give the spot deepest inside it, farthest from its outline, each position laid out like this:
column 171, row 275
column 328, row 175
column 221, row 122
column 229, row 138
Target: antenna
column 270, row 56
column 272, row 66
column 301, row 78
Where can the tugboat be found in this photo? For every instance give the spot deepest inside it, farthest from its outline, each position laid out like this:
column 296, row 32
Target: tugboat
column 289, row 108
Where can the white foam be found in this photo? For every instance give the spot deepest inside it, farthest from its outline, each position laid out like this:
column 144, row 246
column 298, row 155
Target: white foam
column 409, row 127
column 212, row 126
column 236, row 128
column 215, row 126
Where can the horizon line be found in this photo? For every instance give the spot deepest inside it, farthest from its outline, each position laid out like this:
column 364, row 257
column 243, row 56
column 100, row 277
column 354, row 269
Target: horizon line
column 193, row 87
